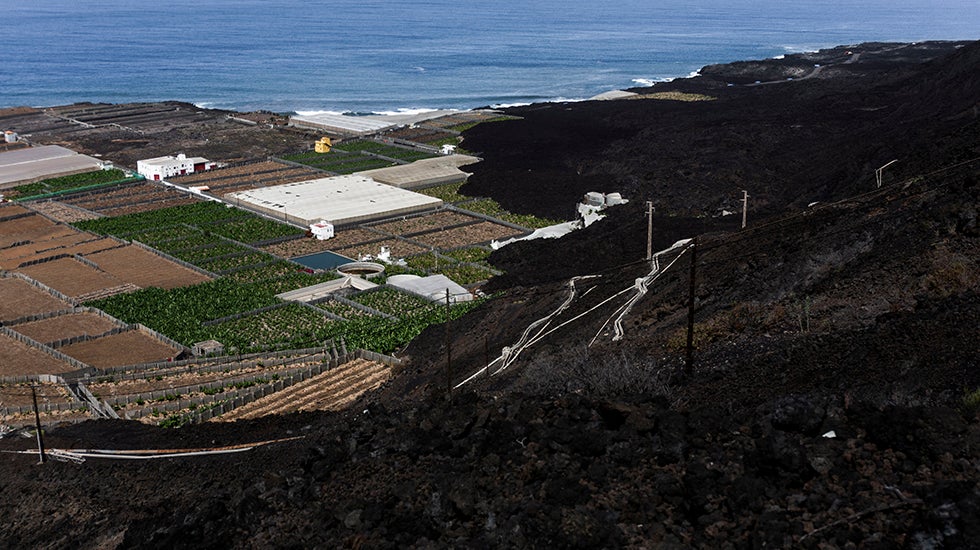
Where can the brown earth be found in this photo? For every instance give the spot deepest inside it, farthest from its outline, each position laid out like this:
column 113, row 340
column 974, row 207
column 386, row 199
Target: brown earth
column 70, row 276
column 126, row 348
column 18, row 298
column 145, row 269
column 65, row 326
column 857, row 316
column 19, row 359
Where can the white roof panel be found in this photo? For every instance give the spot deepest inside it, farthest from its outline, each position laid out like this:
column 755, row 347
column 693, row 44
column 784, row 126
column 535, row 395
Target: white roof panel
column 338, row 200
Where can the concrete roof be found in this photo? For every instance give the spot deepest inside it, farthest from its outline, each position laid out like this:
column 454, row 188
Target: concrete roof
column 339, row 200
column 319, row 290
column 37, row 163
column 433, row 171
column 361, row 125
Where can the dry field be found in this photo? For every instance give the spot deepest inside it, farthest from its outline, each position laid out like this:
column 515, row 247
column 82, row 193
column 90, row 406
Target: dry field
column 63, row 212
column 331, row 390
column 30, row 228
column 19, row 395
column 399, row 249
column 302, row 247
column 469, row 235
column 12, row 257
column 18, row 298
column 71, row 277
column 127, row 348
column 17, row 359
column 144, row 269
column 65, row 326
column 439, row 220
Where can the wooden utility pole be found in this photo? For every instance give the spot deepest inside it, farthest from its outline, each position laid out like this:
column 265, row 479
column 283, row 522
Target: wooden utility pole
column 745, row 206
column 689, row 360
column 37, row 424
column 649, row 230
column 449, row 354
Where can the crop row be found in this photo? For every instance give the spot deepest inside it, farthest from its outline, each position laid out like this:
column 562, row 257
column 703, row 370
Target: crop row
column 448, row 193
column 341, row 309
column 391, row 301
column 196, row 239
column 253, row 229
column 73, row 181
column 231, row 262
column 200, row 256
column 474, row 254
column 289, row 327
column 194, row 214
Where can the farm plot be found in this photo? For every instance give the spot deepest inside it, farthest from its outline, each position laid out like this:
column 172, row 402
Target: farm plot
column 71, row 277
column 330, row 390
column 391, row 301
column 63, row 212
column 12, row 257
column 126, row 348
column 19, row 359
column 399, row 248
column 197, row 214
column 247, row 169
column 469, row 235
column 180, row 312
column 405, row 154
column 69, row 325
column 19, row 298
column 29, row 228
column 341, row 309
column 19, row 395
column 67, row 183
column 143, row 268
column 420, row 135
column 292, row 326
column 438, row 220
column 157, row 204
column 253, row 229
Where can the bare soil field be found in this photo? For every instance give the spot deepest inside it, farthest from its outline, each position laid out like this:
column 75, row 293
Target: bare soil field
column 144, row 269
column 127, row 348
column 471, row 234
column 17, row 359
column 398, row 248
column 19, row 395
column 13, row 256
column 71, row 277
column 65, row 213
column 330, row 390
column 18, row 298
column 438, row 220
column 12, row 209
column 148, row 206
column 302, row 247
column 65, row 326
column 23, row 229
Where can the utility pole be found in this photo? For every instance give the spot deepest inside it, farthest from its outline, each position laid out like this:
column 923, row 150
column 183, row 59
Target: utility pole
column 37, row 423
column 689, row 360
column 449, row 355
column 745, row 206
column 649, row 230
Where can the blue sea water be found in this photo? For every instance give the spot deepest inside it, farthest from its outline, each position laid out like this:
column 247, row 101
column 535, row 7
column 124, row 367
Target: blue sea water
column 387, row 55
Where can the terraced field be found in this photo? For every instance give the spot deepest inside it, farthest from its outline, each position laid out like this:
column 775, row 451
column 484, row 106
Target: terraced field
column 331, row 390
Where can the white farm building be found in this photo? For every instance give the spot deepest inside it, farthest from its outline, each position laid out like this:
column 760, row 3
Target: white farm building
column 338, row 200
column 160, row 168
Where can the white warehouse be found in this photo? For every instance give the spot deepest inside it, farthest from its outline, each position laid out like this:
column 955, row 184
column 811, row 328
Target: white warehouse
column 167, row 167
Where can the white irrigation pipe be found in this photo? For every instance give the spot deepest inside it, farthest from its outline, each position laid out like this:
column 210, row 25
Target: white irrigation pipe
column 510, row 353
column 641, row 287
column 79, row 455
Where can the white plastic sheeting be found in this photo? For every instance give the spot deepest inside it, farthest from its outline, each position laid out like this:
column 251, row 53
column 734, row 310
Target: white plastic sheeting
column 432, row 287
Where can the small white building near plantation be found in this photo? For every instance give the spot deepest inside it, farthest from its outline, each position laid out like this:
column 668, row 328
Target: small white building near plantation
column 161, row 168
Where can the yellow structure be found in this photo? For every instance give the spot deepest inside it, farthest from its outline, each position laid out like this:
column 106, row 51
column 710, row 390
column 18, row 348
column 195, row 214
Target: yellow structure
column 322, row 146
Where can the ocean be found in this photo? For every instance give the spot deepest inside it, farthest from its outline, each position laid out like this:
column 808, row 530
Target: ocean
column 396, row 56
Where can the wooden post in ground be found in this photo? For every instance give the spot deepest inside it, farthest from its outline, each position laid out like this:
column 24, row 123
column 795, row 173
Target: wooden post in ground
column 745, row 206
column 649, row 230
column 689, row 360
column 449, row 354
column 37, row 424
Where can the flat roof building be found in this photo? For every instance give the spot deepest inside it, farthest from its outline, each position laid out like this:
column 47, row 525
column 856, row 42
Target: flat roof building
column 339, row 200
column 31, row 164
column 161, row 168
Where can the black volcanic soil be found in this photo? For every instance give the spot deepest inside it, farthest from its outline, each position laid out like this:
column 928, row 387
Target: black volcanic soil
column 834, row 345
